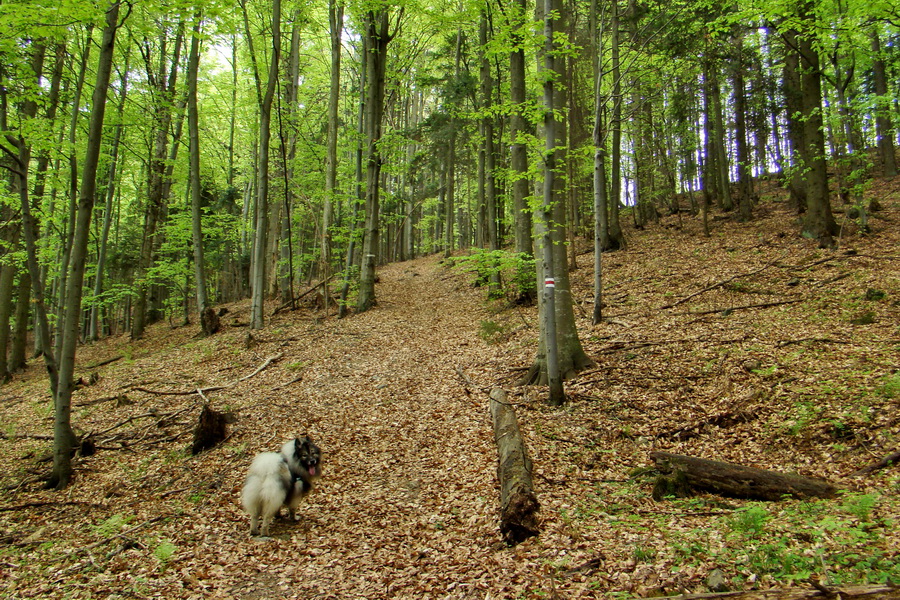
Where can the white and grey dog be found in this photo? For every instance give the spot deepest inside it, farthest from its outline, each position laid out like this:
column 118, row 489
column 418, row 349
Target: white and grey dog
column 277, row 479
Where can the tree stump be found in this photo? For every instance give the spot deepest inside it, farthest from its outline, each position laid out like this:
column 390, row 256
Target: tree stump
column 518, row 503
column 209, row 322
column 210, row 429
column 739, row 481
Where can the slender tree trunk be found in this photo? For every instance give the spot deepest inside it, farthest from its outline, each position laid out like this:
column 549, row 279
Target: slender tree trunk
column 349, row 261
column 260, row 239
column 518, row 130
column 209, row 325
column 63, row 436
column 17, row 350
column 288, row 143
column 793, row 100
column 745, row 201
column 9, row 234
column 164, row 85
column 69, row 229
column 490, row 157
column 884, row 127
column 450, row 192
column 489, row 163
column 616, row 235
column 601, row 214
column 551, row 343
column 30, row 227
column 336, row 23
column 93, row 327
column 719, row 142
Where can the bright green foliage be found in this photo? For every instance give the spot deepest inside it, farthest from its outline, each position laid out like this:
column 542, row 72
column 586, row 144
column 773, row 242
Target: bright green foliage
column 516, row 270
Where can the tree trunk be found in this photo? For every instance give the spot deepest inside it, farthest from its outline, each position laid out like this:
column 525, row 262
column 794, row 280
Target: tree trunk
column 9, row 234
column 819, row 223
column 560, row 353
column 69, row 228
column 883, row 126
column 518, row 129
column 30, row 229
column 336, row 26
column 156, row 184
column 285, row 252
column 209, row 324
column 18, row 348
column 739, row 481
column 518, row 502
column 719, row 142
column 63, row 436
column 601, row 214
column 793, row 100
column 616, row 236
column 745, row 200
column 377, row 24
column 93, row 327
column 260, row 239
column 551, row 207
column 349, row 261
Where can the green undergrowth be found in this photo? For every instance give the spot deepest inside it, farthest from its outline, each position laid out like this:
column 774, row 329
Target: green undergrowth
column 839, row 541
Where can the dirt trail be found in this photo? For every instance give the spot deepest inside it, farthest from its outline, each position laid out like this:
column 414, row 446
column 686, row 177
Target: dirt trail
column 408, row 501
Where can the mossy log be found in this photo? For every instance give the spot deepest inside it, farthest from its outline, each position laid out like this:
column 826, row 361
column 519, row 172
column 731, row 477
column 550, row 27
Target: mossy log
column 518, row 502
column 739, row 481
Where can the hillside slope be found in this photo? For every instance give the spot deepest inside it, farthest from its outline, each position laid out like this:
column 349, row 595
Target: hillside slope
column 396, row 398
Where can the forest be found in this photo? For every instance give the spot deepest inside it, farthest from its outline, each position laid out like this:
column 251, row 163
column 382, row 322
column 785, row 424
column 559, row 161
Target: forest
column 194, row 194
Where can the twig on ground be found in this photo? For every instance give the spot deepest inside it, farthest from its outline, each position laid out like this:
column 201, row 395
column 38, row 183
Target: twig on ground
column 27, row 505
column 892, row 458
column 716, row 285
column 105, row 362
column 212, row 388
column 734, row 308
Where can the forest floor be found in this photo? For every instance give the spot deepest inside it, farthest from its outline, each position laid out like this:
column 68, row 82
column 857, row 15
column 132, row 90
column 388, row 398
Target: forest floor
column 397, row 400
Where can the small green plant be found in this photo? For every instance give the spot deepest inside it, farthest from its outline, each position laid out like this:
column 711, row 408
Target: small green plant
column 644, row 554
column 111, row 526
column 767, row 371
column 860, row 506
column 164, row 553
column 890, row 386
column 490, row 331
column 750, row 521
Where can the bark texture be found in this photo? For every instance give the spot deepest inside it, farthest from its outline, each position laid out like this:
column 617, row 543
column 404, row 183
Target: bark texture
column 518, row 503
column 736, row 480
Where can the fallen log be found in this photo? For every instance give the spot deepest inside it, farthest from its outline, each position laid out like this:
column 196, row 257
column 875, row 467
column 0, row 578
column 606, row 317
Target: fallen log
column 891, row 459
column 732, row 480
column 518, row 503
column 820, row 592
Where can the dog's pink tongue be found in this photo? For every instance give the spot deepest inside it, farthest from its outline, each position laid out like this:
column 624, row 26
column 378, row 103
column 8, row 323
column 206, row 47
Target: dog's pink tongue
column 312, row 471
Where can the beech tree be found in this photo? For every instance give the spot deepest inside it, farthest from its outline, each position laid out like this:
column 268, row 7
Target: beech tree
column 63, row 436
column 379, row 32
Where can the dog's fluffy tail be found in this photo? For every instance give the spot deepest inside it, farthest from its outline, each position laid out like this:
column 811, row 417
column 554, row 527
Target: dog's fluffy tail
column 266, row 489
